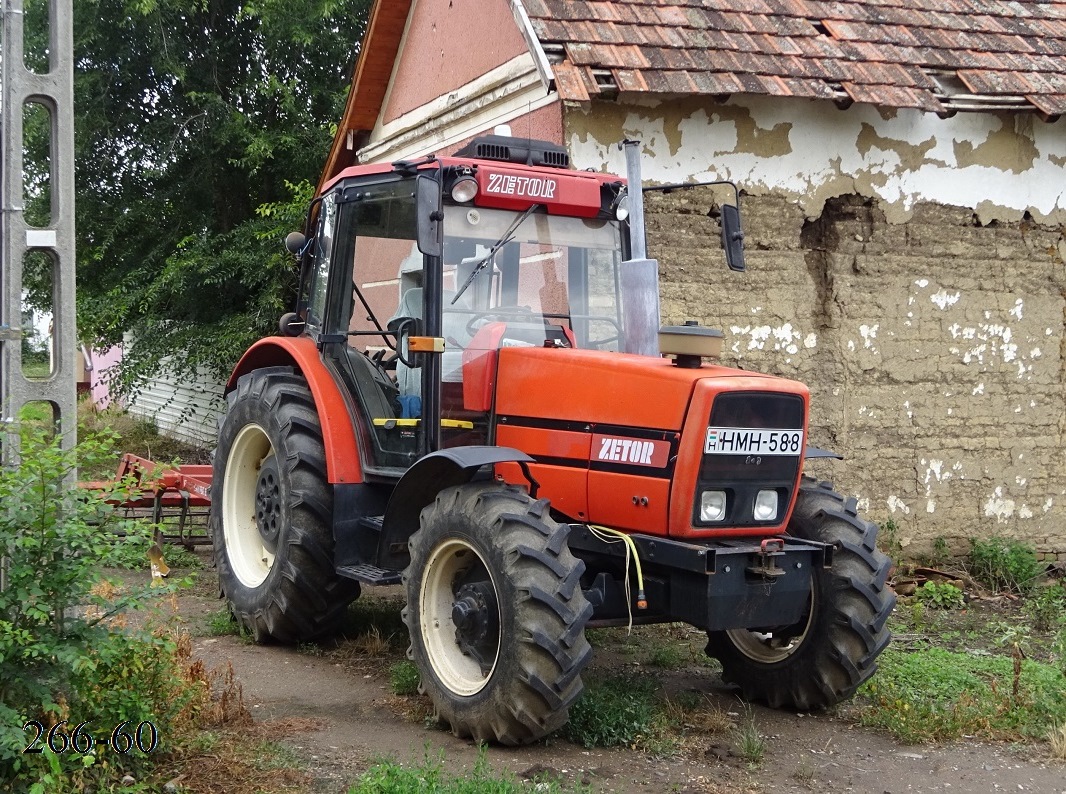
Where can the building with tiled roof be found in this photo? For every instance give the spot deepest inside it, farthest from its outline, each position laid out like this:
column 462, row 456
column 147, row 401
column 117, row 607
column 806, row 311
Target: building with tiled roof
column 903, row 165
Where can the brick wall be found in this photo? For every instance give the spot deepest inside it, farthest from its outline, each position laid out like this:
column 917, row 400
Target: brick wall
column 933, row 349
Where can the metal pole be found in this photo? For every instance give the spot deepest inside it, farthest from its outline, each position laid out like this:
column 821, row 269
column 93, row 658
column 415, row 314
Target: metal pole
column 640, row 276
column 638, row 241
column 54, row 91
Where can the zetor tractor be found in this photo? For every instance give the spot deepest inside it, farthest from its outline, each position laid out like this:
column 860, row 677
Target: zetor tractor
column 456, row 405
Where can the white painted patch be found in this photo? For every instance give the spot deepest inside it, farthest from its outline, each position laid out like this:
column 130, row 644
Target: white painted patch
column 868, row 334
column 922, row 283
column 810, row 341
column 999, row 507
column 895, row 503
column 1017, row 310
column 1048, row 503
column 934, row 470
column 943, row 299
column 1025, row 512
column 930, row 505
column 978, row 389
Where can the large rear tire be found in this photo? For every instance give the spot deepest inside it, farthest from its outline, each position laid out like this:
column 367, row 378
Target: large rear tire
column 833, row 649
column 496, row 613
column 271, row 512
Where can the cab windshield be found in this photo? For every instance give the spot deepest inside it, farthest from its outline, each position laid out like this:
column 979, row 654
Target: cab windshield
column 533, row 272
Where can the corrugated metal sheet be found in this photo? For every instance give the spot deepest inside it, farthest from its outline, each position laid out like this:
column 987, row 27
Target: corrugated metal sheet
column 187, row 409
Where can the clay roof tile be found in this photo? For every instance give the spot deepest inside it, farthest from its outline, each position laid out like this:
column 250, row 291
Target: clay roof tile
column 882, row 49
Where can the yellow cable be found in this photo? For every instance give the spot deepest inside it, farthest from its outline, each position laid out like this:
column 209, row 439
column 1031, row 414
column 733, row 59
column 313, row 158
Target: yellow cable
column 642, row 602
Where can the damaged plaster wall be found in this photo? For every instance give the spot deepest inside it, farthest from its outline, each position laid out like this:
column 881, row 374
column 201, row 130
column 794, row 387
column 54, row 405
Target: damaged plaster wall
column 1002, row 165
column 931, row 333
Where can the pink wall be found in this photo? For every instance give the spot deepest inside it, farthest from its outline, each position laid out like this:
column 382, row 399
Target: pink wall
column 449, row 43
column 101, row 361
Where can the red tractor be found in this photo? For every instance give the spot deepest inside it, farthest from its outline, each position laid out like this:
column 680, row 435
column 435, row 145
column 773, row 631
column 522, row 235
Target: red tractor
column 463, row 402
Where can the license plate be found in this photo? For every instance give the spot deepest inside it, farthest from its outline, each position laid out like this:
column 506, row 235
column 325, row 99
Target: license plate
column 749, row 441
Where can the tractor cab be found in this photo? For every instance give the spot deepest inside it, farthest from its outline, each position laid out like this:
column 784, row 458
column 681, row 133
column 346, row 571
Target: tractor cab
column 420, row 272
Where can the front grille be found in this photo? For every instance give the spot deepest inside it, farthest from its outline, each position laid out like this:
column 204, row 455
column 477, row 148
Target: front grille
column 742, row 476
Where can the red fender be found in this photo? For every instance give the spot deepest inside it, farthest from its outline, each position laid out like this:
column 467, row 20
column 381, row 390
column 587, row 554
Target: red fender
column 342, row 452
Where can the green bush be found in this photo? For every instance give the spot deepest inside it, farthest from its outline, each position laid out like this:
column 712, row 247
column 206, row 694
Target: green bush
column 1003, row 564
column 65, row 658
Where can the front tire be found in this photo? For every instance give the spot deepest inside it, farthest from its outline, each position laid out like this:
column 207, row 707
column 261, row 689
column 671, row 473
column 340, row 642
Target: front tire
column 271, row 512
column 496, row 613
column 833, row 649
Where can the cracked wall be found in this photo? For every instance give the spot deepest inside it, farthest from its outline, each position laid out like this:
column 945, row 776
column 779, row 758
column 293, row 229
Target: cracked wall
column 931, row 334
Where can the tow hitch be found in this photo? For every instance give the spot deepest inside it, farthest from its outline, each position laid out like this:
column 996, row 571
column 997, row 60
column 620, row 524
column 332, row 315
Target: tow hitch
column 764, row 561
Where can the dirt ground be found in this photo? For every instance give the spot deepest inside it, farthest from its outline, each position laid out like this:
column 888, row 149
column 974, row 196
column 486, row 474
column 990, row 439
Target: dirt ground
column 353, row 719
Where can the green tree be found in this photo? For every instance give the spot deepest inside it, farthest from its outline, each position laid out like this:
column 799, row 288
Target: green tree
column 199, row 127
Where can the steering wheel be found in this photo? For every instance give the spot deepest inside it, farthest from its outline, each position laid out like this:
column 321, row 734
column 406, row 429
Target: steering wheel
column 475, row 323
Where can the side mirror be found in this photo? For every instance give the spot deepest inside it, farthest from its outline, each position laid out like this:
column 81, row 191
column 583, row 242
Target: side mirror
column 732, row 237
column 403, row 328
column 430, row 215
column 295, row 242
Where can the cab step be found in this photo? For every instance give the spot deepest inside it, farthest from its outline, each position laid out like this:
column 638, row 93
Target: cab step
column 369, row 574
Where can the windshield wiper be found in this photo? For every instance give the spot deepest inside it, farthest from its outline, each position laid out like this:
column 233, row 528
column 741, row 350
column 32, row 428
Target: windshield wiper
column 507, row 237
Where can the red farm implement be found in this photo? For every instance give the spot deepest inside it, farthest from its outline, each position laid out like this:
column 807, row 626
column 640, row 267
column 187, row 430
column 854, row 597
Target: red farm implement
column 176, row 498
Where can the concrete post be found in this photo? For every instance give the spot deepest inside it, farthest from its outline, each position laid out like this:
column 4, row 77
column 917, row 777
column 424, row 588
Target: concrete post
column 54, row 91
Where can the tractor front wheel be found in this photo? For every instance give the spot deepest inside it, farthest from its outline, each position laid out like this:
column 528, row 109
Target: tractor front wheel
column 823, row 658
column 271, row 512
column 496, row 613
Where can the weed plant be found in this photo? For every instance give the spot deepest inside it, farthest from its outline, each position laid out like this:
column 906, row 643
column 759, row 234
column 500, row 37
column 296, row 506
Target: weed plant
column 750, row 743
column 404, row 678
column 890, row 542
column 667, row 657
column 1003, row 564
column 613, row 711
column 940, row 595
column 1047, row 608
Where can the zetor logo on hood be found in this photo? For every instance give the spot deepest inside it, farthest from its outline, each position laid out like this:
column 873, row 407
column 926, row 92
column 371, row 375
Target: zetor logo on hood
column 633, row 451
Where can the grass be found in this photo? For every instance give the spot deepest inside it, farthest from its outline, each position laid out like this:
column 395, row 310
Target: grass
column 932, row 695
column 1056, row 737
column 389, row 777
column 221, row 623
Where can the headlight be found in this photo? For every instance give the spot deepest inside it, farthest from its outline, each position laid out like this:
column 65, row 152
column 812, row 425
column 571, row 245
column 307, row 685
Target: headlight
column 766, row 506
column 712, row 505
column 464, row 189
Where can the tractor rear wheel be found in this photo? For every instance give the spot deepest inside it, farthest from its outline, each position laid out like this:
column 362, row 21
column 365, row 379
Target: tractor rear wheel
column 496, row 613
column 833, row 649
column 271, row 512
